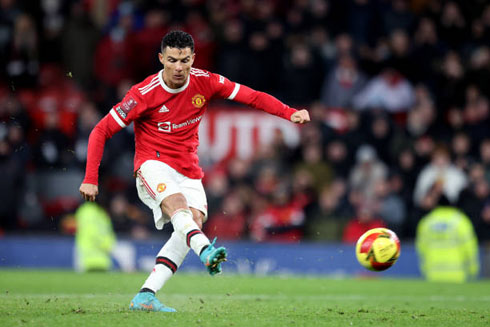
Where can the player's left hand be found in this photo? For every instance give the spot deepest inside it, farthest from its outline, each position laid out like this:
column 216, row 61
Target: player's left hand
column 300, row 117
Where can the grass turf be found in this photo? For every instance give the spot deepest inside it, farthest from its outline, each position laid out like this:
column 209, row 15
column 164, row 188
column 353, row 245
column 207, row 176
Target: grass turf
column 62, row 298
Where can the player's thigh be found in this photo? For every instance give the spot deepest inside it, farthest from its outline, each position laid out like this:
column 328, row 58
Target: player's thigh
column 193, row 191
column 156, row 181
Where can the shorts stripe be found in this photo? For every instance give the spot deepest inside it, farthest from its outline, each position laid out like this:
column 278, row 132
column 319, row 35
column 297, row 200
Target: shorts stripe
column 190, row 234
column 167, row 263
column 147, row 187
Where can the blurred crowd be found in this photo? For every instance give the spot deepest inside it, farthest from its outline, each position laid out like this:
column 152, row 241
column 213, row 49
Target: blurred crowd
column 398, row 91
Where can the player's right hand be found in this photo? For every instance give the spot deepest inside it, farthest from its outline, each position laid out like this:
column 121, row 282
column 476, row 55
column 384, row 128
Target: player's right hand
column 300, row 117
column 89, row 191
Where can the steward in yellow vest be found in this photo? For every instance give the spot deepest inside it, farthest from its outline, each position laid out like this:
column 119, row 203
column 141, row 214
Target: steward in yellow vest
column 94, row 237
column 447, row 246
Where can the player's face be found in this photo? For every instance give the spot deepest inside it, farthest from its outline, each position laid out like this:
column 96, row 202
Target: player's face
column 177, row 63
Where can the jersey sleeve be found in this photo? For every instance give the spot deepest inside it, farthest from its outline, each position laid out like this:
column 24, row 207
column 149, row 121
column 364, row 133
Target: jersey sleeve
column 103, row 131
column 120, row 116
column 130, row 108
column 226, row 89
column 223, row 87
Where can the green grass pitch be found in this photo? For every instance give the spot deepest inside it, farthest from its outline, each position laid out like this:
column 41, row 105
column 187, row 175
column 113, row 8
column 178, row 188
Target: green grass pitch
column 63, row 298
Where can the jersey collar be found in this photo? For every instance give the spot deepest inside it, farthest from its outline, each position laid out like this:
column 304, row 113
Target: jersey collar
column 169, row 90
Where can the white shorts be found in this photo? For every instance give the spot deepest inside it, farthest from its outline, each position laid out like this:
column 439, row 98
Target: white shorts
column 156, row 180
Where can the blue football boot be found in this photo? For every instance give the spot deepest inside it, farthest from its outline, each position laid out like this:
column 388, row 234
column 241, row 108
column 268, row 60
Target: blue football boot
column 147, row 301
column 212, row 258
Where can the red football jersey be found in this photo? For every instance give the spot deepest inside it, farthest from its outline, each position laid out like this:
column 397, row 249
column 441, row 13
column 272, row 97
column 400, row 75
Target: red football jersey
column 166, row 120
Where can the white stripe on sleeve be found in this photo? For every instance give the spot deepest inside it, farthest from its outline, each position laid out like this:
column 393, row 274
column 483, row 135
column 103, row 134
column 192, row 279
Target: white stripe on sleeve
column 117, row 119
column 235, row 91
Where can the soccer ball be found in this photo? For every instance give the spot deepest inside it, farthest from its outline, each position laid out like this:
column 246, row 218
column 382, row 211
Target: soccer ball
column 378, row 249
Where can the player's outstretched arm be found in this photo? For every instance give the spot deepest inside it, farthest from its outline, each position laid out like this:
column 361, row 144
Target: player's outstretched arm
column 104, row 130
column 266, row 102
column 89, row 191
column 300, row 117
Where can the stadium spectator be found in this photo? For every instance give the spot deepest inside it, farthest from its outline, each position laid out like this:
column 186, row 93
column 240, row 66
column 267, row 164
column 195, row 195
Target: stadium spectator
column 232, row 50
column 217, row 186
column 50, row 150
column 302, row 75
column 473, row 199
column 380, row 135
column 366, row 173
column 87, row 119
column 426, row 50
column 282, row 219
column 390, row 206
column 342, row 83
column 450, row 82
column 230, row 222
column 389, row 91
column 482, row 225
column 452, row 25
column 439, row 176
column 328, row 216
column 115, row 55
column 484, row 156
column 422, row 118
column 22, row 59
column 205, row 45
column 56, row 96
column 360, row 21
column 397, row 17
column 259, row 62
column 479, row 69
column 312, row 163
column 477, row 117
column 364, row 220
column 400, row 56
column 8, row 13
column 338, row 156
column 128, row 218
column 461, row 149
column 12, row 176
column 79, row 41
column 408, row 173
column 423, row 147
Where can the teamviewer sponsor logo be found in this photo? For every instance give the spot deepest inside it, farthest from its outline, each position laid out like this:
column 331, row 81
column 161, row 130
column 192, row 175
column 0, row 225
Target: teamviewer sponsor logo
column 165, row 127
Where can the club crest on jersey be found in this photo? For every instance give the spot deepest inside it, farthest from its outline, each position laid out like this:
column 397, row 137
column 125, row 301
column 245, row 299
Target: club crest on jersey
column 161, row 187
column 198, row 100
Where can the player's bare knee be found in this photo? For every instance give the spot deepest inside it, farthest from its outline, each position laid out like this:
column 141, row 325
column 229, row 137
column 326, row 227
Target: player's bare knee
column 173, row 203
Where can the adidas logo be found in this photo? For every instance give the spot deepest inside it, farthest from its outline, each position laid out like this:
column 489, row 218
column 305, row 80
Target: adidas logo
column 163, row 109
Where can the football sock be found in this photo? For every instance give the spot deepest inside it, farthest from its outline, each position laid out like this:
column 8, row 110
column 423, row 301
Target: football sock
column 186, row 226
column 167, row 262
column 147, row 290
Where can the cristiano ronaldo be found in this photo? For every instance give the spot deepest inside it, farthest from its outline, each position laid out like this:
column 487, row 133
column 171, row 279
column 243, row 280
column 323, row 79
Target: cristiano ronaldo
column 166, row 109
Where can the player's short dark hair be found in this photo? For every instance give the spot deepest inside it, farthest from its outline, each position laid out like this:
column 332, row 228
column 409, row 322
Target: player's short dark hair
column 177, row 39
